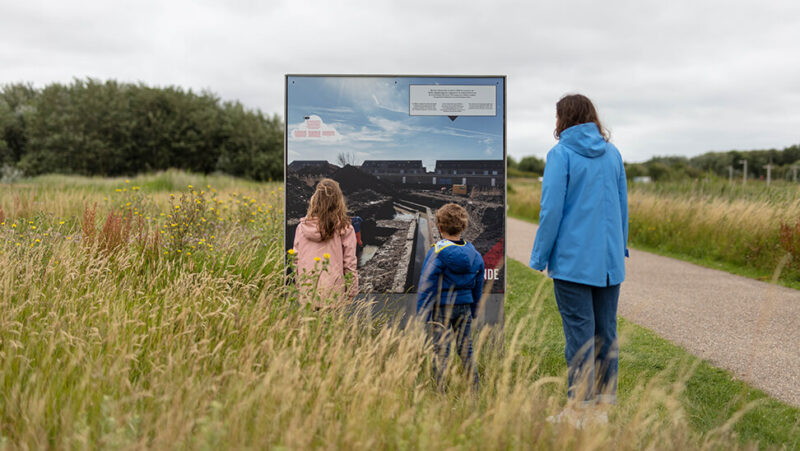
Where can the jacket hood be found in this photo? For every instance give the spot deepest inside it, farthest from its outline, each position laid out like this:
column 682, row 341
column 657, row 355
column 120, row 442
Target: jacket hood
column 309, row 227
column 459, row 259
column 584, row 139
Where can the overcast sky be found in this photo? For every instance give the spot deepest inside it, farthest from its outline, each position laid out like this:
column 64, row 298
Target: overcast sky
column 668, row 78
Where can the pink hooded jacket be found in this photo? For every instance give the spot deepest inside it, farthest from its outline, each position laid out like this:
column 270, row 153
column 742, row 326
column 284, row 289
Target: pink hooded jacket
column 342, row 250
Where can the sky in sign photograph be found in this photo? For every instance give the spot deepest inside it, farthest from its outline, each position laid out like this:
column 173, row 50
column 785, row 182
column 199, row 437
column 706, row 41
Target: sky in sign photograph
column 368, row 118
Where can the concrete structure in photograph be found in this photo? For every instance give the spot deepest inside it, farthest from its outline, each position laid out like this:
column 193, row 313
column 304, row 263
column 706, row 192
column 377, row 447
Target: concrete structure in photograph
column 469, row 172
column 447, row 172
column 397, row 171
column 412, row 172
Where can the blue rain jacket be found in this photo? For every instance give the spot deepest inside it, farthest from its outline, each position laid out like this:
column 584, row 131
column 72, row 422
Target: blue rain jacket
column 460, row 268
column 583, row 222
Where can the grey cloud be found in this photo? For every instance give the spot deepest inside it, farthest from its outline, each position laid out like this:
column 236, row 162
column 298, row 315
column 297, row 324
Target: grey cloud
column 679, row 77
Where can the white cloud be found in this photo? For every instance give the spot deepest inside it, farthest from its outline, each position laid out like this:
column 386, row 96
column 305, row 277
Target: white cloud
column 313, row 128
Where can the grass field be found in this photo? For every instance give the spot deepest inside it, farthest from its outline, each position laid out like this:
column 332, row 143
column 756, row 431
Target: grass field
column 751, row 230
column 116, row 335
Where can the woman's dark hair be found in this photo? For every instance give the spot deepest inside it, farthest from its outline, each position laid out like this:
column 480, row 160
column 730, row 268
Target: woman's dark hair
column 574, row 109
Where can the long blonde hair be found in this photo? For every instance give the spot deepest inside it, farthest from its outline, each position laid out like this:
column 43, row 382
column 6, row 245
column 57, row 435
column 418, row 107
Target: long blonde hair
column 328, row 206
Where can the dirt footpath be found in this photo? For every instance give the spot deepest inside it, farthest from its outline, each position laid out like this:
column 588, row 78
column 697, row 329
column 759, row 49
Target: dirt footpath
column 748, row 327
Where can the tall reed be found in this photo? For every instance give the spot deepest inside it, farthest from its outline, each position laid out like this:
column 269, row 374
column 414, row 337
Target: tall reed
column 712, row 221
column 132, row 349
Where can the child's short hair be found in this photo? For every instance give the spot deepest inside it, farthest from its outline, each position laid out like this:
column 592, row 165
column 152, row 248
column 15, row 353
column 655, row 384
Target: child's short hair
column 452, row 218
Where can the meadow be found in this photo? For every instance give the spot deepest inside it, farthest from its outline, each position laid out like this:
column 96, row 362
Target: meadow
column 153, row 312
column 751, row 230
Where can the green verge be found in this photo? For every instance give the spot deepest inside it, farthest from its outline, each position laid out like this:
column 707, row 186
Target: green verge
column 711, row 397
column 531, row 214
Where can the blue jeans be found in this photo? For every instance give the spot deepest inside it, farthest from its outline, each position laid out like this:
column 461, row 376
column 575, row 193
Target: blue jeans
column 444, row 322
column 589, row 317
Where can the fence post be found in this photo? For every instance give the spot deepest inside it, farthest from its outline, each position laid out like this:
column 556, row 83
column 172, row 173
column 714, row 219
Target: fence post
column 744, row 171
column 768, row 167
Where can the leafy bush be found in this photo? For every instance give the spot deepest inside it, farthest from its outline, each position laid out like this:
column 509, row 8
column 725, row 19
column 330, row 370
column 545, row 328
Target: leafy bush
column 90, row 127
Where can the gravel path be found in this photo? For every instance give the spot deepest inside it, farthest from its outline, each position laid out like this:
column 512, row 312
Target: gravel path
column 748, row 327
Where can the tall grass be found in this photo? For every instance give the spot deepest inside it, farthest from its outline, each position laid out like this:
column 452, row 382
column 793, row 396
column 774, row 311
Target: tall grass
column 121, row 348
column 713, row 221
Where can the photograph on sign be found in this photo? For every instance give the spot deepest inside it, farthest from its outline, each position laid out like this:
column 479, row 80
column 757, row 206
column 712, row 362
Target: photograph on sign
column 400, row 148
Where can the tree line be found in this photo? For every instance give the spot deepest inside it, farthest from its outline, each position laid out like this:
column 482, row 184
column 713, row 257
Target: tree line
column 671, row 168
column 109, row 128
column 720, row 164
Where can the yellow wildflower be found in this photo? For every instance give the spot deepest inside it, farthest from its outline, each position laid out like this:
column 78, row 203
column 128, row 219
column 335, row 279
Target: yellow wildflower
column 327, row 256
column 291, row 251
column 316, row 259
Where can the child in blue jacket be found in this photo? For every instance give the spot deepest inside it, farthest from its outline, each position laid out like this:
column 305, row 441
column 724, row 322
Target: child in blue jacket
column 449, row 292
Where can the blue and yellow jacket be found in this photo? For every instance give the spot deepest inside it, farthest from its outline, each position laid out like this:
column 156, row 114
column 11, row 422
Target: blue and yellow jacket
column 459, row 267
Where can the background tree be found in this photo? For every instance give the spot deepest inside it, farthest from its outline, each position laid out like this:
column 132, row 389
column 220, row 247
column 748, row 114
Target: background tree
column 109, row 128
column 345, row 158
column 531, row 164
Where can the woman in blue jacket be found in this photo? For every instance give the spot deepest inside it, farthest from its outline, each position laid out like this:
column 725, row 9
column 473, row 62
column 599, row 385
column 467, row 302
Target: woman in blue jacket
column 582, row 236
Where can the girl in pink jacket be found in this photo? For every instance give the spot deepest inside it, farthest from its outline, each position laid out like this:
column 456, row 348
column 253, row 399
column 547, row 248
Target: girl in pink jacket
column 325, row 243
